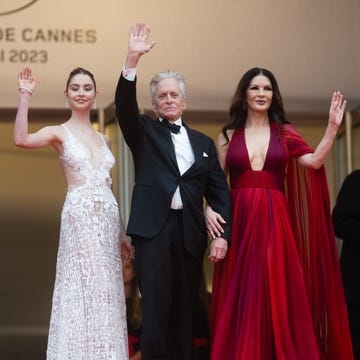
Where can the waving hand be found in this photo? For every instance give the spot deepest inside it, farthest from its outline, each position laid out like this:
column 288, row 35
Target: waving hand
column 138, row 44
column 337, row 109
column 26, row 81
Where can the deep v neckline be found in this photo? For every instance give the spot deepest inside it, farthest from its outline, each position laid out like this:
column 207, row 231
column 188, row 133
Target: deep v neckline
column 266, row 152
column 86, row 147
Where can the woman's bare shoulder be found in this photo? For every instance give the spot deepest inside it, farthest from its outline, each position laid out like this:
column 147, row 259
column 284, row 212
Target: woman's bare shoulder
column 222, row 139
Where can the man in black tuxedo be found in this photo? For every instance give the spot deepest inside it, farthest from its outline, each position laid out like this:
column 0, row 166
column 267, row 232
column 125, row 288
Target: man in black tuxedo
column 346, row 219
column 175, row 169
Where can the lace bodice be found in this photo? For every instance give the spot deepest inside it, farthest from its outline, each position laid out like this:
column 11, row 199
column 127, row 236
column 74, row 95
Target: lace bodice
column 81, row 167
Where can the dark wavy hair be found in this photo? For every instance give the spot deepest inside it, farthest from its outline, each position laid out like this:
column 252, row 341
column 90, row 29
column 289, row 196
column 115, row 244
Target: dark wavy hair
column 238, row 112
column 77, row 71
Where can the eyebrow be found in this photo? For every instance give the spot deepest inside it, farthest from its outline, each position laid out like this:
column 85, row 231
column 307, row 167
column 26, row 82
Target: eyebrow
column 254, row 84
column 88, row 84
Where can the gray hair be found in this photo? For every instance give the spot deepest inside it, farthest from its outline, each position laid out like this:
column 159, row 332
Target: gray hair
column 169, row 74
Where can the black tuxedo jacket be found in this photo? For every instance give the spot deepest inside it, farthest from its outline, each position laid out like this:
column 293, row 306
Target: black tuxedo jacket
column 346, row 219
column 157, row 175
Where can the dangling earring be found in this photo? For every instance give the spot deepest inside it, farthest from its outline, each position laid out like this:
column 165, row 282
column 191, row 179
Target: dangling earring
column 67, row 103
column 244, row 104
column 94, row 104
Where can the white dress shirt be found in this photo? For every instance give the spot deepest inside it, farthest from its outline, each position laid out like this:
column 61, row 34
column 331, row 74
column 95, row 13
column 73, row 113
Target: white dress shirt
column 184, row 157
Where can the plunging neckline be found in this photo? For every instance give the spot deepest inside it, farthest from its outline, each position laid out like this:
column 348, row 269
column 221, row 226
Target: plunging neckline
column 266, row 152
column 86, row 147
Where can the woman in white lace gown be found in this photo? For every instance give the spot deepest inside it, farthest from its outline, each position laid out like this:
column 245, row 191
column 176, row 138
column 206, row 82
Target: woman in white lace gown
column 88, row 319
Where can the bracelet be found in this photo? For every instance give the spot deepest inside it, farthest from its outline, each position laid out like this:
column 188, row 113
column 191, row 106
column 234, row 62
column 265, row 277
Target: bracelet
column 26, row 89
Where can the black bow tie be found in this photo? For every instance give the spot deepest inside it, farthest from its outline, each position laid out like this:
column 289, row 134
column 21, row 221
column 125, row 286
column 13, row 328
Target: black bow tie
column 173, row 127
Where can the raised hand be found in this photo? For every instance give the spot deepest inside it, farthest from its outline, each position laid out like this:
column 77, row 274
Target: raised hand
column 26, row 81
column 137, row 44
column 137, row 39
column 316, row 159
column 337, row 109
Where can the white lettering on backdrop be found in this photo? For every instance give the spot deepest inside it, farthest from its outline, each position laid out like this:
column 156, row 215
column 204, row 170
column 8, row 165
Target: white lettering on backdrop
column 38, row 37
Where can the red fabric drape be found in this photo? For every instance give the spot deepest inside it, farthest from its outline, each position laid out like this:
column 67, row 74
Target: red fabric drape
column 309, row 206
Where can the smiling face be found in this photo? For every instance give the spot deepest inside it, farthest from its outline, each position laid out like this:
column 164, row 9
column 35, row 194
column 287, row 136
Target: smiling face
column 259, row 94
column 81, row 92
column 168, row 101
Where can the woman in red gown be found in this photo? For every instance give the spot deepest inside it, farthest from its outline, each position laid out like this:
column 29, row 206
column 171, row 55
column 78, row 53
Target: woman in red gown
column 278, row 294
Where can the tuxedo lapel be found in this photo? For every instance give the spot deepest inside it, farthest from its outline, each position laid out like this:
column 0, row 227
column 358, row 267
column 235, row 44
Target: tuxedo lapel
column 164, row 135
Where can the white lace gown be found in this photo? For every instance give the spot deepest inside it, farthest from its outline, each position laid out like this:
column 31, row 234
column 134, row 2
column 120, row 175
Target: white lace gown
column 88, row 319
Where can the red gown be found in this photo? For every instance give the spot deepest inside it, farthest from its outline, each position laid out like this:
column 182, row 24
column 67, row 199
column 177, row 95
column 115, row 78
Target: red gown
column 278, row 294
